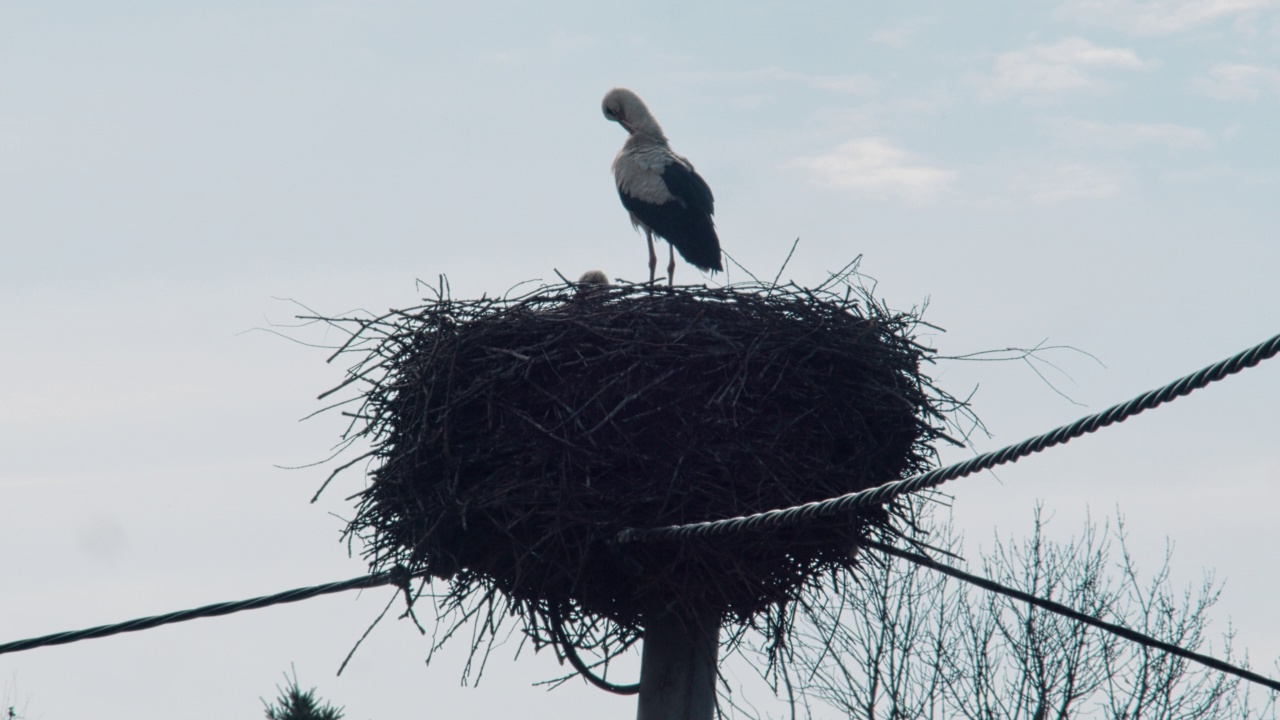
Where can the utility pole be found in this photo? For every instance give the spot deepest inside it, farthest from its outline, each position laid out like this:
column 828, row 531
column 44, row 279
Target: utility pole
column 678, row 665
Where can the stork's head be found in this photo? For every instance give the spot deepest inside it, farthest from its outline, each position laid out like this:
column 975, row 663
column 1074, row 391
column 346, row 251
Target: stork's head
column 628, row 110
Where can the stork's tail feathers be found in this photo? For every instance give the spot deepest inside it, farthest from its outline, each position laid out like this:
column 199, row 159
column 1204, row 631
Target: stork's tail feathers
column 701, row 248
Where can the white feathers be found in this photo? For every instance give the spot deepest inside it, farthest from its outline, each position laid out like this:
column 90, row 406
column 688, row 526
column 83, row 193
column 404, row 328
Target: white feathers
column 661, row 191
column 638, row 170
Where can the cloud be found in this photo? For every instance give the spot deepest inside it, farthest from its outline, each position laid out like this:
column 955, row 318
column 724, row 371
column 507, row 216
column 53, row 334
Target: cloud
column 903, row 33
column 876, row 167
column 855, row 83
column 1220, row 174
column 1123, row 136
column 569, row 43
column 1159, row 17
column 750, row 101
column 508, row 56
column 840, row 83
column 1070, row 182
column 1239, row 82
column 1051, row 69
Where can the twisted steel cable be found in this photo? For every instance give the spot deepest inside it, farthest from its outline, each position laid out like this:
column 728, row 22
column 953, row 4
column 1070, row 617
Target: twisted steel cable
column 773, row 518
column 884, row 493
column 393, row 577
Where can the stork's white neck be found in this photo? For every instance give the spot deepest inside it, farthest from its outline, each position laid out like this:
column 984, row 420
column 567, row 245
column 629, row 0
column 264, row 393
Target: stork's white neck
column 646, row 130
column 642, row 124
column 647, row 139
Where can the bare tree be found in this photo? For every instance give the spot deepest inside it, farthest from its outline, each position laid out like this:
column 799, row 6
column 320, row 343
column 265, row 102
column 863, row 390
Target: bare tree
column 904, row 642
column 1144, row 683
column 9, row 709
column 1014, row 661
column 878, row 644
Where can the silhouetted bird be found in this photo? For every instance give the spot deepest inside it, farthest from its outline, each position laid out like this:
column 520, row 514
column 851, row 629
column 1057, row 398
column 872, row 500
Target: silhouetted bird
column 660, row 189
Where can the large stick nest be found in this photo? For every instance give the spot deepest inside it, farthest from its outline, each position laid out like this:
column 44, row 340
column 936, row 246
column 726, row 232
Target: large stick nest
column 512, row 439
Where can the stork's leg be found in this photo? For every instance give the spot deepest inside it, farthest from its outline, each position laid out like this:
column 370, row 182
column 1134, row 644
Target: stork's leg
column 671, row 266
column 653, row 256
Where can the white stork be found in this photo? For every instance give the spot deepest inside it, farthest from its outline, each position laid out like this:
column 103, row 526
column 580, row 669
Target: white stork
column 660, row 189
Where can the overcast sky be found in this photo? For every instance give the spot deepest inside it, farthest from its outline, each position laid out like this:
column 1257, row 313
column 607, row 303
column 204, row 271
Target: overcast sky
column 1100, row 173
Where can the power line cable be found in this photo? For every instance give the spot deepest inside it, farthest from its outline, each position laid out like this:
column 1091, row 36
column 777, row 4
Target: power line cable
column 786, row 516
column 884, row 493
column 398, row 576
column 1060, row 609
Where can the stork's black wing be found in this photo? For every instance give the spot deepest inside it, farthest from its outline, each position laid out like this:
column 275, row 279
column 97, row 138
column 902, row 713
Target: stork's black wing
column 685, row 183
column 684, row 221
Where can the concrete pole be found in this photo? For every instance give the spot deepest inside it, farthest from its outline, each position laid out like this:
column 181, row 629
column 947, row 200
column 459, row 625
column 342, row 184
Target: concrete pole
column 678, row 666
